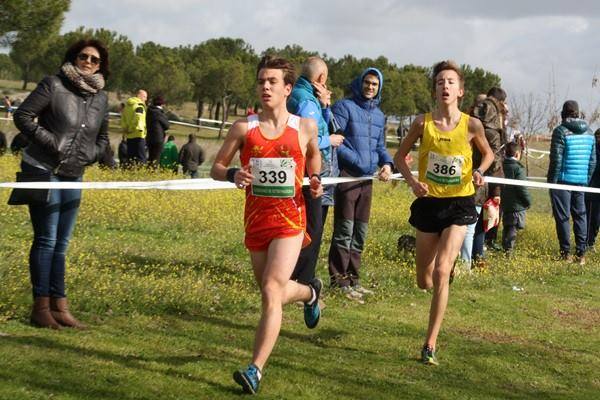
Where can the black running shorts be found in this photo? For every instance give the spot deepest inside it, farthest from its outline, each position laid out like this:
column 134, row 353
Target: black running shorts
column 433, row 214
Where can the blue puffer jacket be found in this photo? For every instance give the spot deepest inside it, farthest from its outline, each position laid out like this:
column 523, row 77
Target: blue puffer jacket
column 363, row 123
column 301, row 93
column 572, row 153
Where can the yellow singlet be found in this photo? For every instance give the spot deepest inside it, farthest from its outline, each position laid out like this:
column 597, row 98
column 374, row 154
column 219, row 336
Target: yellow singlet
column 445, row 159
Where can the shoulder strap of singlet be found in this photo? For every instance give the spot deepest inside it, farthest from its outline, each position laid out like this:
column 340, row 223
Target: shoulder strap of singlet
column 294, row 122
column 253, row 121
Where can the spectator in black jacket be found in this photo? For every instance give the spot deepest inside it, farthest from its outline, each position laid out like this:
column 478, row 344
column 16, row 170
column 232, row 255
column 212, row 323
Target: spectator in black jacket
column 156, row 124
column 66, row 121
column 191, row 157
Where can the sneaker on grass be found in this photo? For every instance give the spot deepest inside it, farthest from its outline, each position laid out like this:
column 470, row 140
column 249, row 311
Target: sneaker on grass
column 362, row 290
column 312, row 311
column 350, row 293
column 428, row 356
column 248, row 379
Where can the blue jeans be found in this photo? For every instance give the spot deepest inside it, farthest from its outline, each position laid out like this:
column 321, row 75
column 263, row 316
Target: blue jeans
column 329, row 168
column 467, row 246
column 53, row 225
column 478, row 237
column 565, row 203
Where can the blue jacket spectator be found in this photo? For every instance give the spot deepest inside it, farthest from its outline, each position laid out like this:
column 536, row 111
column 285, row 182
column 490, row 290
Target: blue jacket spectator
column 304, row 103
column 572, row 153
column 363, row 124
column 572, row 161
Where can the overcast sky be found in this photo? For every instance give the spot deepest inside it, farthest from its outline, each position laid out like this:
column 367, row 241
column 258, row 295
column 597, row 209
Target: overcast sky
column 526, row 42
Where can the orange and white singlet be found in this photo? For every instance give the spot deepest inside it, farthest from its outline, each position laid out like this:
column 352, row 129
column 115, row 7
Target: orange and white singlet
column 274, row 202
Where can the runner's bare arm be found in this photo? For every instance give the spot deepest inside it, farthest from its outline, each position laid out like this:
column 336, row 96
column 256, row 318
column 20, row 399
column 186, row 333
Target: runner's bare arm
column 477, row 135
column 313, row 156
column 234, row 141
column 420, row 189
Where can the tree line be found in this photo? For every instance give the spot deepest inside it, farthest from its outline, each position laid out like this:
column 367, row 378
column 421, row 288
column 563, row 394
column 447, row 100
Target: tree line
column 218, row 75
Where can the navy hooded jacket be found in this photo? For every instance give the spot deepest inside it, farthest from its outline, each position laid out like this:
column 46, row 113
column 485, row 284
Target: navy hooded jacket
column 363, row 124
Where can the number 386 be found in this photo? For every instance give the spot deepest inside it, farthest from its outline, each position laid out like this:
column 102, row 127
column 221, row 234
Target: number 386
column 444, row 169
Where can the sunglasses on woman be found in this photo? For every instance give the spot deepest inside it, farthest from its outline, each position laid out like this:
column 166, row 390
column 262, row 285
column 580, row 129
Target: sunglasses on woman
column 84, row 57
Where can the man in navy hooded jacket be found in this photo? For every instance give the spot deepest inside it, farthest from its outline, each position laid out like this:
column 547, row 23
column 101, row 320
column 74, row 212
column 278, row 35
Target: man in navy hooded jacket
column 361, row 153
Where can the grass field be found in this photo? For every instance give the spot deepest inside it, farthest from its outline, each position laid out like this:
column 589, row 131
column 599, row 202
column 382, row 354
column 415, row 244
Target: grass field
column 164, row 282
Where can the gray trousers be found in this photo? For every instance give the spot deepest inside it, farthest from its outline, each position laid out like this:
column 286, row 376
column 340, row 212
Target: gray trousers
column 351, row 219
column 511, row 222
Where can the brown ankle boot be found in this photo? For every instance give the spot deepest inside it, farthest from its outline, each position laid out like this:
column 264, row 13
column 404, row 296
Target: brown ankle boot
column 40, row 314
column 60, row 311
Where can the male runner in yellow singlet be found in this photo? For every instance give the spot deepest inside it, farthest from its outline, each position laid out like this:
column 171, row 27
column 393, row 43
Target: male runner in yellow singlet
column 444, row 189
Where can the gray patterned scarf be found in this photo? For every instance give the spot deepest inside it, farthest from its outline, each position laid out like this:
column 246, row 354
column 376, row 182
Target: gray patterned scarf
column 87, row 83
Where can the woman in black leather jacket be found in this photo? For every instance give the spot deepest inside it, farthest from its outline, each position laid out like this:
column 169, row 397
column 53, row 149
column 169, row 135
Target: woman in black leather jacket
column 66, row 121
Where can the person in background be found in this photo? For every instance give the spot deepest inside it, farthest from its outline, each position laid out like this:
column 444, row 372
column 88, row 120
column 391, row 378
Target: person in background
column 3, row 143
column 360, row 154
column 592, row 200
column 191, row 156
column 572, row 162
column 169, row 156
column 515, row 200
column 61, row 144
column 157, row 123
column 310, row 98
column 7, row 106
column 133, row 122
column 492, row 114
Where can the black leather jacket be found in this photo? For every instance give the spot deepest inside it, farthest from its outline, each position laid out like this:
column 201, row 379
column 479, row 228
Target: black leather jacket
column 71, row 130
column 156, row 125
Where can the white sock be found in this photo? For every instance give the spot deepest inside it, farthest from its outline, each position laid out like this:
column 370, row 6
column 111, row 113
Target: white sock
column 313, row 296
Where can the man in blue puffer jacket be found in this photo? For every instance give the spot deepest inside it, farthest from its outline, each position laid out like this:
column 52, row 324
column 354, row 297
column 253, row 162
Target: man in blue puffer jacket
column 361, row 153
column 572, row 162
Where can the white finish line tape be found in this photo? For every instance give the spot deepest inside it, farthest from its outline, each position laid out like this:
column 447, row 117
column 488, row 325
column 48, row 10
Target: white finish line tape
column 211, row 184
column 175, row 184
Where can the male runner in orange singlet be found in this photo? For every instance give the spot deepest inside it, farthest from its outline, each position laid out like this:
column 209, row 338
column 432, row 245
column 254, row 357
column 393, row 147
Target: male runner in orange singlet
column 274, row 147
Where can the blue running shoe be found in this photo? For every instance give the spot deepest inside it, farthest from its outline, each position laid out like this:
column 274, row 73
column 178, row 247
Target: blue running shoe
column 248, row 379
column 312, row 312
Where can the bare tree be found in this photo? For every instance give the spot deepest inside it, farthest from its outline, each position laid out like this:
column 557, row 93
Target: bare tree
column 533, row 114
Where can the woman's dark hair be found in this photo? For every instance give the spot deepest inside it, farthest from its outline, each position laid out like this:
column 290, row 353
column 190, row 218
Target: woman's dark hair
column 497, row 93
column 75, row 49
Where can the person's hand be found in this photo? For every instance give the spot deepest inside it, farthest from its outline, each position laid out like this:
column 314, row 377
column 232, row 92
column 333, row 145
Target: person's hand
column 323, row 94
column 243, row 177
column 336, row 140
column 385, row 172
column 316, row 189
column 478, row 179
column 420, row 189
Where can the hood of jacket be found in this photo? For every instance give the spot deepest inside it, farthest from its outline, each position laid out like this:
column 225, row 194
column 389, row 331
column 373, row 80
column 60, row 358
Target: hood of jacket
column 576, row 125
column 132, row 101
column 356, row 87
